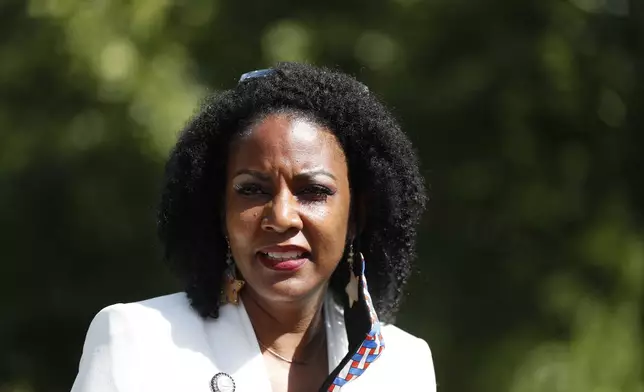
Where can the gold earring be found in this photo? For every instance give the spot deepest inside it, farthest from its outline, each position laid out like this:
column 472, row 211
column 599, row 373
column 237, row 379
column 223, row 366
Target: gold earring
column 352, row 287
column 232, row 285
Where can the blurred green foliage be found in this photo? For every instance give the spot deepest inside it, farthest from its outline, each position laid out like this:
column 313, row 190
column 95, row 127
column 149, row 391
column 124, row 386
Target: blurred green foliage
column 525, row 113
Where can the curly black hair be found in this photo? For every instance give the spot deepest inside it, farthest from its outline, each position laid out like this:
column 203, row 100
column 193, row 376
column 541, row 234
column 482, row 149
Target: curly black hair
column 383, row 175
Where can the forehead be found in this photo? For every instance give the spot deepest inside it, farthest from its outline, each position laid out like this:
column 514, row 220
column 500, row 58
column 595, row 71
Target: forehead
column 281, row 141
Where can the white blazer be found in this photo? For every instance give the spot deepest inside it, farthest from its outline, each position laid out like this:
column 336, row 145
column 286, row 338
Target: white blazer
column 163, row 345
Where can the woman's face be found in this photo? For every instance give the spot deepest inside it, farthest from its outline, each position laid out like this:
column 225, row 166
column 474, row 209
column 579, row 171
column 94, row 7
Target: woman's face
column 287, row 207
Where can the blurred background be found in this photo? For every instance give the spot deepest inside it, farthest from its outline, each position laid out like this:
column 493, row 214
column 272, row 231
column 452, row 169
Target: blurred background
column 525, row 114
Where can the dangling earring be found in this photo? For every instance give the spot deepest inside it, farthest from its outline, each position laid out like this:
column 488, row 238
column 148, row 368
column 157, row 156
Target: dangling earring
column 352, row 287
column 232, row 285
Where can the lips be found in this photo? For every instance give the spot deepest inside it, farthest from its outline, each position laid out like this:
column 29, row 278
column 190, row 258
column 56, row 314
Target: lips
column 283, row 257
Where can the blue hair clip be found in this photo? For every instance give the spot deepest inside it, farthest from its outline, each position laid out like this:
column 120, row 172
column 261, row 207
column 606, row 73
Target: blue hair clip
column 260, row 73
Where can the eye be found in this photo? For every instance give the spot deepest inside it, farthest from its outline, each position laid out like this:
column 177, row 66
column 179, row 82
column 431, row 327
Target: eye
column 249, row 189
column 315, row 193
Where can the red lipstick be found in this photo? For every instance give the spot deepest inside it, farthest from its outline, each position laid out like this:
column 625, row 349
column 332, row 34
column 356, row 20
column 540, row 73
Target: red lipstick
column 285, row 258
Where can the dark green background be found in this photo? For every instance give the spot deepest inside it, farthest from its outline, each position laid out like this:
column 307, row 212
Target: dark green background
column 527, row 116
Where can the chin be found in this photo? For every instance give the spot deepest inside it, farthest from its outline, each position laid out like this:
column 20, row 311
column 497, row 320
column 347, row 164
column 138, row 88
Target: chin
column 289, row 290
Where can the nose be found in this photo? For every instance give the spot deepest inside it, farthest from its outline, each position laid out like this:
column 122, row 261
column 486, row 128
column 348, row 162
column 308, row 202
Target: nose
column 282, row 214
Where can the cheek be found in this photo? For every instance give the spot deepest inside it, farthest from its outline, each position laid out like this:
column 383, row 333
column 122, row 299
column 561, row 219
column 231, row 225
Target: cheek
column 241, row 218
column 242, row 226
column 329, row 226
column 244, row 219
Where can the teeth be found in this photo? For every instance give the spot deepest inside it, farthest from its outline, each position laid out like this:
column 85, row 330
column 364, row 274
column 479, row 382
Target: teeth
column 284, row 255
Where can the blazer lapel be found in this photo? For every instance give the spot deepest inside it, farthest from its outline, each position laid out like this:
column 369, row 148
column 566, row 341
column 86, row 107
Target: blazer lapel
column 364, row 334
column 354, row 341
column 235, row 350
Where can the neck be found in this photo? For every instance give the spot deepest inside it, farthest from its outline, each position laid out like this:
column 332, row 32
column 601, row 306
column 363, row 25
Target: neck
column 285, row 326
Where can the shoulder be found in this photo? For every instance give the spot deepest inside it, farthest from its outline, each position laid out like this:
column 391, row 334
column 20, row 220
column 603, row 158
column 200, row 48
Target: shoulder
column 125, row 339
column 166, row 304
column 152, row 315
column 398, row 340
column 156, row 321
column 163, row 307
column 407, row 354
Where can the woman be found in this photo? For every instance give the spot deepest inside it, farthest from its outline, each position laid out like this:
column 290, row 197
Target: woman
column 273, row 194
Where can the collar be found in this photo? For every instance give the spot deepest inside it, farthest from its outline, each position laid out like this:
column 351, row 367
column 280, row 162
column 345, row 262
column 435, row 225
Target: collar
column 354, row 341
column 365, row 341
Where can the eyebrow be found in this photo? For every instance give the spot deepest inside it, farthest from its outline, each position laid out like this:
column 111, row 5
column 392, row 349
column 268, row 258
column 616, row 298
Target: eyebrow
column 253, row 173
column 305, row 174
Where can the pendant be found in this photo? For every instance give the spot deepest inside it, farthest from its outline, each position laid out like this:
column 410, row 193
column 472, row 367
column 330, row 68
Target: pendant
column 352, row 289
column 231, row 289
column 222, row 382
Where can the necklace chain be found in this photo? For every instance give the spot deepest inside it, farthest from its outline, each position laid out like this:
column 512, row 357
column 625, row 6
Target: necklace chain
column 292, row 360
